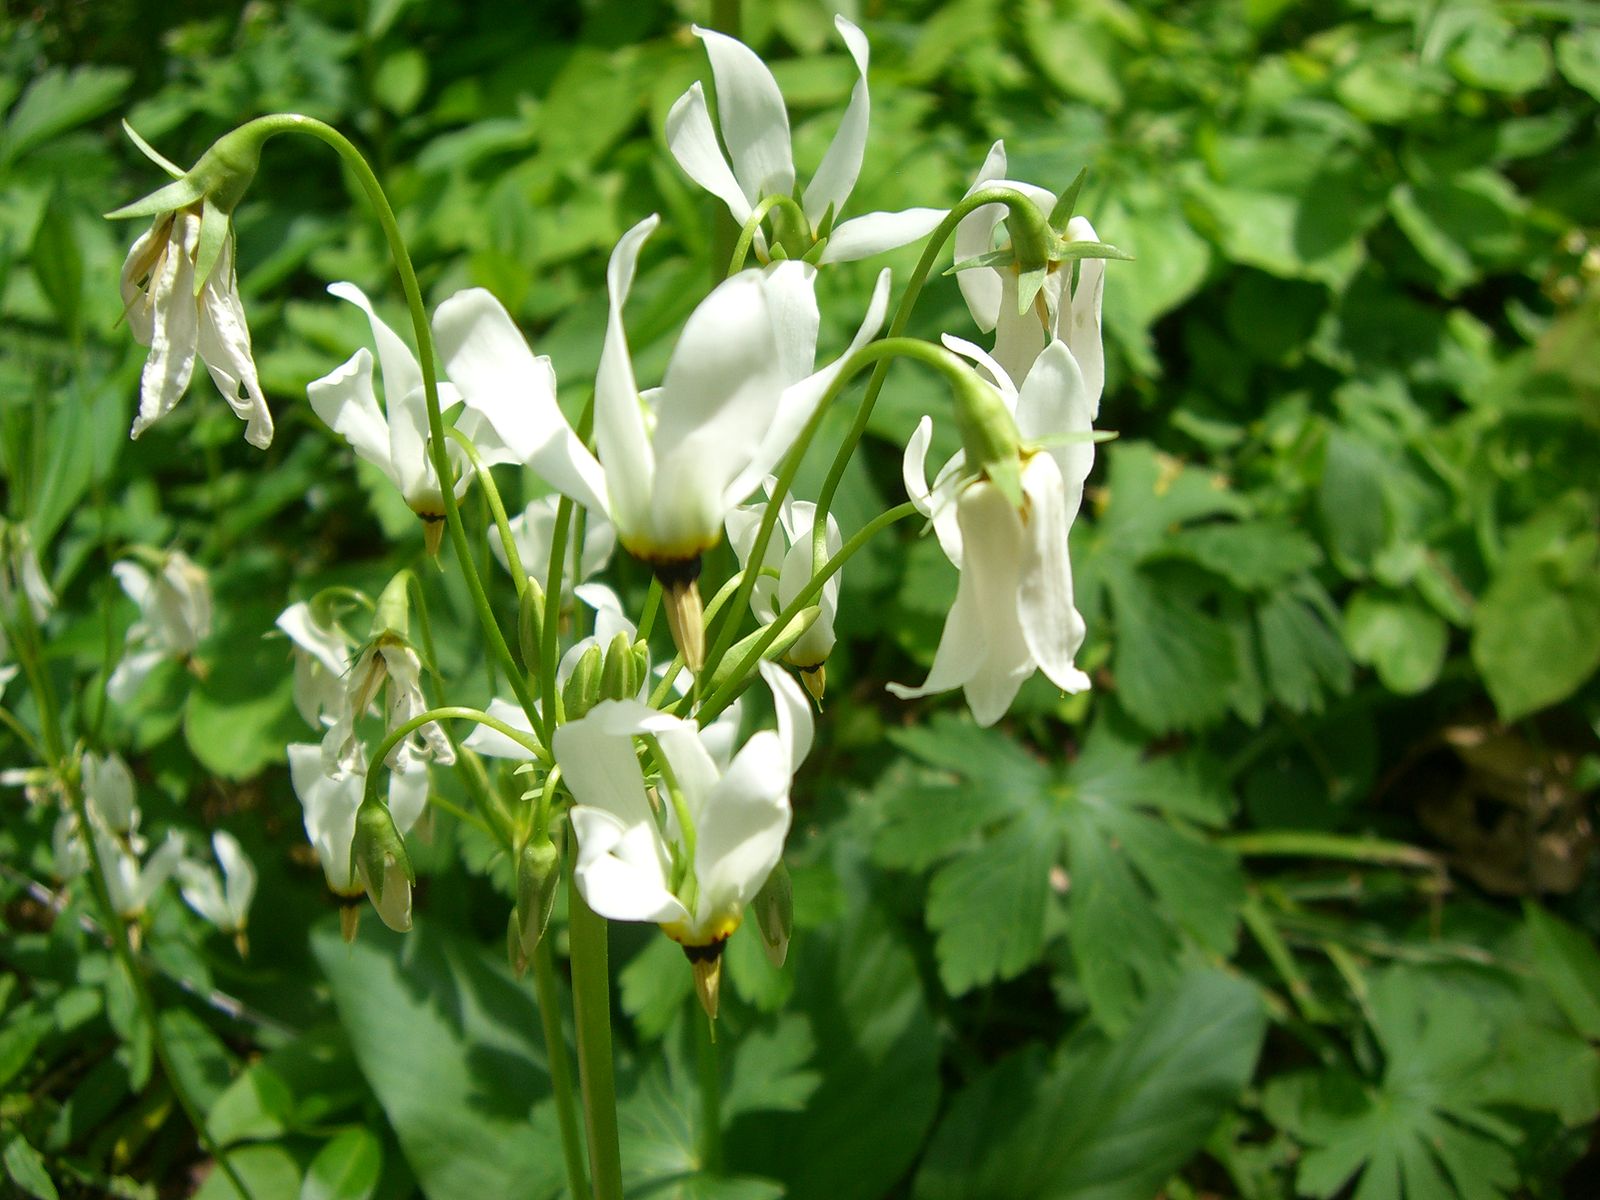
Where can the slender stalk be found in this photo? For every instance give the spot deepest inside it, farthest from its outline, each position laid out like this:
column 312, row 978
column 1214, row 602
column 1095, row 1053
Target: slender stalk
column 548, row 990
column 591, row 1002
column 652, row 605
column 549, row 651
column 27, row 649
column 448, row 712
column 1292, row 843
column 710, row 1077
column 723, row 696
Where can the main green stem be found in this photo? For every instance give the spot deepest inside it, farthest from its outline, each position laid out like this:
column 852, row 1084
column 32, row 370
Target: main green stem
column 548, row 989
column 55, row 750
column 591, row 1002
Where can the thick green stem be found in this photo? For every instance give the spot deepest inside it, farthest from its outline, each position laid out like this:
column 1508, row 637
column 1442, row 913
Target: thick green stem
column 710, row 1075
column 876, row 352
column 591, row 1002
column 549, row 992
column 27, row 650
column 723, row 696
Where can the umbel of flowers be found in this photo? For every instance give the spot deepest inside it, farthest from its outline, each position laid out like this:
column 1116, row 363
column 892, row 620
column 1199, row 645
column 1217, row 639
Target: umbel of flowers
column 644, row 777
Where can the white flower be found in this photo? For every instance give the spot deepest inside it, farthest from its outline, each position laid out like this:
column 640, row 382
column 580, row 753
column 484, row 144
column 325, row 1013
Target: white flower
column 21, row 575
column 330, row 802
column 755, row 129
column 174, row 618
column 224, row 901
column 133, row 884
column 786, row 570
column 1060, row 312
column 321, row 663
column 387, row 662
column 1014, row 604
column 108, row 787
column 533, row 531
column 178, row 321
column 693, row 866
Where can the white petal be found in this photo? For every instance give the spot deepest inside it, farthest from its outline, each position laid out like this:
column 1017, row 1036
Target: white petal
column 974, row 233
column 620, row 870
column 693, row 143
column 598, row 762
column 238, row 872
column 401, row 374
column 816, row 643
column 330, row 812
column 346, row 403
column 988, row 364
column 619, row 425
column 740, row 838
column 493, row 744
column 995, row 552
column 108, row 786
column 174, row 327
column 223, row 342
column 202, row 891
column 131, row 673
column 499, row 377
column 408, row 797
column 961, row 646
column 330, row 647
column 1050, row 623
column 791, row 289
column 793, row 712
column 937, row 503
column 841, row 165
column 1018, row 337
column 755, row 124
column 1082, row 320
column 1056, row 400
column 873, row 233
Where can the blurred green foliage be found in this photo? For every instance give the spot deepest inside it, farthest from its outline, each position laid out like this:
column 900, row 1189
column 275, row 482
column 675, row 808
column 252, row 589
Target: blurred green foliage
column 1240, row 922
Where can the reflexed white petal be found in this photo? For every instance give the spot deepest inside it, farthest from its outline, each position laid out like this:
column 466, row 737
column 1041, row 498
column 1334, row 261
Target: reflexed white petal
column 620, row 870
column 597, row 759
column 1018, row 337
column 238, row 872
column 401, row 373
column 1079, row 326
column 157, row 869
column 142, row 262
column 500, row 378
column 740, row 836
column 938, row 502
column 961, row 646
column 345, row 401
column 328, row 646
column 795, row 725
column 693, row 142
column 791, row 290
column 974, row 233
column 694, row 769
column 716, row 404
column 995, row 549
column 408, row 797
column 989, row 367
column 841, row 165
column 619, row 425
column 108, row 786
column 131, row 673
column 874, row 233
column 330, row 812
column 1050, row 623
column 223, row 342
column 174, row 327
column 491, row 743
column 755, row 124
column 1056, row 400
column 816, row 643
column 202, row 891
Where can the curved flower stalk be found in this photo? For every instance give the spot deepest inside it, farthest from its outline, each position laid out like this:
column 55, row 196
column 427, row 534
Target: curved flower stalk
column 784, row 572
column 330, row 801
column 223, row 901
column 322, row 655
column 387, row 663
column 174, row 618
column 1059, row 311
column 1014, row 608
column 533, row 531
column 690, row 852
column 674, row 460
column 394, row 438
column 755, row 129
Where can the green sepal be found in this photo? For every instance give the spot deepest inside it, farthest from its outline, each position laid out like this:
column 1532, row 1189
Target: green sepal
column 791, row 634
column 378, row 848
column 1061, row 213
column 213, row 233
column 1028, row 285
column 1003, row 257
column 583, row 687
column 618, row 678
column 150, row 152
column 1032, row 239
column 989, row 433
column 1065, row 251
column 814, row 255
column 180, row 193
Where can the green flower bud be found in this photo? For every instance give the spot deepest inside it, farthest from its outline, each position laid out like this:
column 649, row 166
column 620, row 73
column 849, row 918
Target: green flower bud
column 530, row 626
column 382, row 865
column 620, row 679
column 583, row 689
column 538, row 875
column 393, row 614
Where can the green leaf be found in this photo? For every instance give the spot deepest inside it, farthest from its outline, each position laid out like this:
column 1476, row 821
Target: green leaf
column 1462, row 225
column 1170, row 261
column 58, row 261
column 1404, row 641
column 1303, row 656
column 1496, row 56
column 1567, row 961
column 25, row 1166
column 346, row 1168
column 1578, row 56
column 1105, row 1120
column 241, row 715
column 431, row 1018
column 57, row 100
column 1173, row 663
column 1350, row 501
column 1251, row 555
column 266, row 1171
column 1150, row 494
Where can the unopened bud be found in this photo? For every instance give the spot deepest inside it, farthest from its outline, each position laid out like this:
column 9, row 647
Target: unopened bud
column 382, row 865
column 641, row 660
column 538, row 874
column 774, row 909
column 620, row 679
column 583, row 687
column 393, row 614
column 530, row 626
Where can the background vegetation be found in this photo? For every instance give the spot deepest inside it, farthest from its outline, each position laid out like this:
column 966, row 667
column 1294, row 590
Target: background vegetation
column 1299, row 901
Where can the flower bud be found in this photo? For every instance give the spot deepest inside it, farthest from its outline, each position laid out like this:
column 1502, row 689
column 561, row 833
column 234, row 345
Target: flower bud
column 538, row 874
column 583, row 688
column 393, row 614
column 382, row 865
column 774, row 908
column 620, row 679
column 530, row 626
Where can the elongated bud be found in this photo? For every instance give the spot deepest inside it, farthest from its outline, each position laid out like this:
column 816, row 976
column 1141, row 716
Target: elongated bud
column 641, row 660
column 774, row 908
column 530, row 626
column 393, row 614
column 619, row 680
column 382, row 865
column 989, row 434
column 583, row 688
column 538, row 874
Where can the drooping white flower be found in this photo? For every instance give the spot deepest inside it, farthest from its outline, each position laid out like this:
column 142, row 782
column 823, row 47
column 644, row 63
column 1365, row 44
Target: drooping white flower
column 223, row 901
column 1014, row 608
column 533, row 531
column 108, row 787
column 755, row 129
column 691, row 852
column 321, row 664
column 132, row 883
column 784, row 572
column 330, row 801
column 1060, row 311
column 387, row 663
column 174, row 618
column 179, row 321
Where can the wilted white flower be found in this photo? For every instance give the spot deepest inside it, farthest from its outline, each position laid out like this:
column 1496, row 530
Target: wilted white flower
column 694, row 865
column 174, row 618
column 321, row 663
column 388, row 663
column 224, row 901
column 178, row 321
column 755, row 129
column 330, row 802
column 1014, row 608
